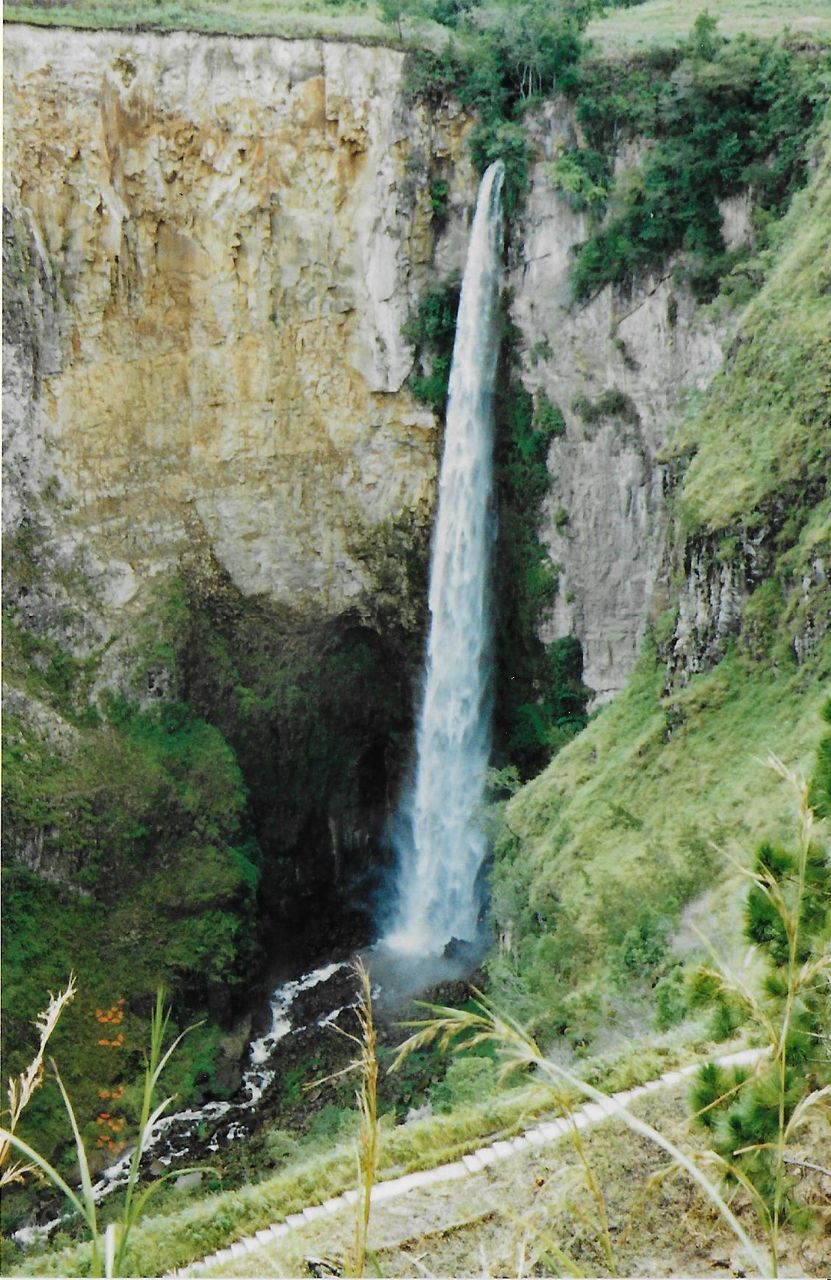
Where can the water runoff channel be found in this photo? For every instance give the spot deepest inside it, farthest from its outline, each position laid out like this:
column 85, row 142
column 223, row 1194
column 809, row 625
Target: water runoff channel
column 433, row 932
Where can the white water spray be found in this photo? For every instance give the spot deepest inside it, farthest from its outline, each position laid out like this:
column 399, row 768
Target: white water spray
column 439, row 840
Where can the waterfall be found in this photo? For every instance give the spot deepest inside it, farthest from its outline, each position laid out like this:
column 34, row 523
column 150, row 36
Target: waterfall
column 438, row 836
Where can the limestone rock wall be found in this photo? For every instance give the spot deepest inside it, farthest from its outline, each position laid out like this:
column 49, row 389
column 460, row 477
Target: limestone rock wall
column 216, row 242
column 212, row 245
column 634, row 352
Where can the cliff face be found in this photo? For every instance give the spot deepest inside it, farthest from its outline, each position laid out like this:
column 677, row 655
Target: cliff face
column 211, row 247
column 215, row 243
column 614, row 366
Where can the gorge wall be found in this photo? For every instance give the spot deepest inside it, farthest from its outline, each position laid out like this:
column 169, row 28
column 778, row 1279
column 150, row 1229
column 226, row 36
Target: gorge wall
column 615, row 367
column 211, row 247
column 221, row 240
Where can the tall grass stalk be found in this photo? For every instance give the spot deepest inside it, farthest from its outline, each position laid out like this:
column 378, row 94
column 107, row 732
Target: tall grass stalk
column 800, row 977
column 466, row 1028
column 365, row 1065
column 134, row 1203
column 21, row 1090
column 367, row 1099
column 108, row 1257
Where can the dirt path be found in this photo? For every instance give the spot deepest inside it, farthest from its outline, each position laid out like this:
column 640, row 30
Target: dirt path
column 538, row 1135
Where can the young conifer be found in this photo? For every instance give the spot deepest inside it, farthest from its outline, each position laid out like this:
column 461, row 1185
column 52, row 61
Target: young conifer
column 753, row 1116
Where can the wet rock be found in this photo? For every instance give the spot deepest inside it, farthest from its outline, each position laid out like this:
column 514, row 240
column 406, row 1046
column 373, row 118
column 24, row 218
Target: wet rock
column 188, row 1181
column 319, row 1001
column 220, row 1003
column 460, row 949
column 227, row 1077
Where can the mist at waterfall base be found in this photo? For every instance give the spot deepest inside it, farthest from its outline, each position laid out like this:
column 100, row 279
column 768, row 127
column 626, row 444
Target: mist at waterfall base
column 437, row 833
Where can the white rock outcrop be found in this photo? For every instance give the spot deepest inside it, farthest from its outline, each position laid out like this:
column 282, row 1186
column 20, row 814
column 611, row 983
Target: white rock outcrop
column 219, row 240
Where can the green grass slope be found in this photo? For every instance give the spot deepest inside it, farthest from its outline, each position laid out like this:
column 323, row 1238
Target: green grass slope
column 618, row 30
column 661, row 22
column 185, row 1227
column 610, row 857
column 344, row 19
column 766, row 424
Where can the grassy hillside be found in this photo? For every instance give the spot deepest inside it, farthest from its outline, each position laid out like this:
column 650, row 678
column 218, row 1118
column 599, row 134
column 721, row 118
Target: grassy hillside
column 184, row 1228
column 657, row 22
column 610, row 856
column 348, row 19
column 504, row 1221
column 616, row 30
column 765, row 427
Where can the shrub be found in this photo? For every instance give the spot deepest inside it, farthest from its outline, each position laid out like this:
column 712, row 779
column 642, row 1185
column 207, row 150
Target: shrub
column 431, row 329
column 430, row 77
column 548, row 418
column 584, row 176
column 613, row 403
column 438, row 198
column 733, row 114
column 643, row 947
column 467, row 1080
column 495, row 139
column 671, row 1004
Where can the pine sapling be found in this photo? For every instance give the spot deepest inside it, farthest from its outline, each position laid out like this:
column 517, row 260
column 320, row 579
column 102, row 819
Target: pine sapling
column 752, row 1116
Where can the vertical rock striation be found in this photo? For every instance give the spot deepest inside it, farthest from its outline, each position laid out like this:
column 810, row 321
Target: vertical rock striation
column 614, row 366
column 216, row 242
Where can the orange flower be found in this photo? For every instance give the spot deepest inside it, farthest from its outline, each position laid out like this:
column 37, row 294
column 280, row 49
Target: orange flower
column 113, row 1044
column 112, row 1016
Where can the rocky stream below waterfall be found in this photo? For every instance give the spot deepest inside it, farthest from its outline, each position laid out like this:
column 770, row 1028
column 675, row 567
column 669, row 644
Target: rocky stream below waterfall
column 286, row 1077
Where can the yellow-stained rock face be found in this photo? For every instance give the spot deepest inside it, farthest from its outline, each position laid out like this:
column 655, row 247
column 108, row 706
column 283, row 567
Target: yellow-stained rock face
column 229, row 235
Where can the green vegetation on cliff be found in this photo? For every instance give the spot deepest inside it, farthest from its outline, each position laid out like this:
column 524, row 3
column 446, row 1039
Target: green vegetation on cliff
column 723, row 116
column 759, row 446
column 137, row 827
column 128, row 859
column 540, row 696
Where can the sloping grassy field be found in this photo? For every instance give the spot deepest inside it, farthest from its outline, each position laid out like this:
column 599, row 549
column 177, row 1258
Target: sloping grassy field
column 765, row 424
column 509, row 1219
column 659, row 22
column 619, row 30
column 185, row 1228
column 346, row 19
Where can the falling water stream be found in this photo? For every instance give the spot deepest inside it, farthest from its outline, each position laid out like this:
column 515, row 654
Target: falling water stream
column 438, row 835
